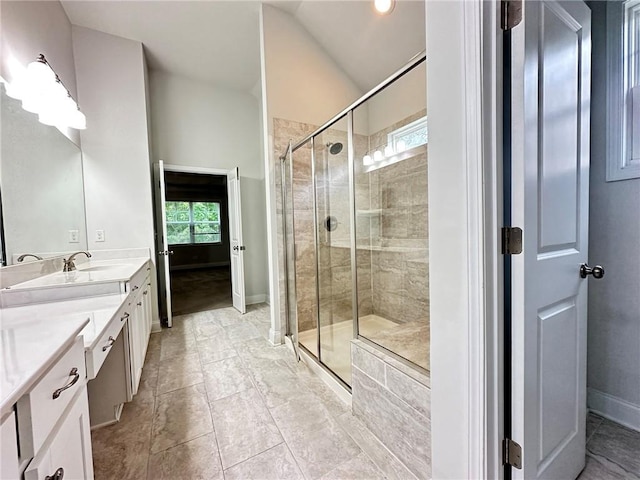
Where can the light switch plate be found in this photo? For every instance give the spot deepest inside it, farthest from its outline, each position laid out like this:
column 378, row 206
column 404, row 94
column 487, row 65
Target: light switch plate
column 99, row 235
column 74, row 236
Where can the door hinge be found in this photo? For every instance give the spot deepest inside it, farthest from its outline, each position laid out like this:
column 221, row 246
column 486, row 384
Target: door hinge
column 511, row 240
column 511, row 453
column 511, row 13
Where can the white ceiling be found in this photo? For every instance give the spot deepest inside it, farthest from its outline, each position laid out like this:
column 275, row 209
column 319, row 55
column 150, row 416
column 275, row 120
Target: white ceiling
column 218, row 41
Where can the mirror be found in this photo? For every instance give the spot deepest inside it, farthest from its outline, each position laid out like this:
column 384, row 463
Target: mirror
column 41, row 186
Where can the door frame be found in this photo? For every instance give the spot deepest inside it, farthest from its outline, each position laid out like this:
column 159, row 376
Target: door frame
column 465, row 216
column 169, row 167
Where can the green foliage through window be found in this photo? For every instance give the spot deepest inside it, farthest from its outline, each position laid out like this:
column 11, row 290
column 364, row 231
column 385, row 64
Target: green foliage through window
column 193, row 222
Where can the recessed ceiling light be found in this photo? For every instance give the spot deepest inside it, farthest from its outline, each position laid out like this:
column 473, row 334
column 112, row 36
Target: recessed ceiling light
column 384, row 7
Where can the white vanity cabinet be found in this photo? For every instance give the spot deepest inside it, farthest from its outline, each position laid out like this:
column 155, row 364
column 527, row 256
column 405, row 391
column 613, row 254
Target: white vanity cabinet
column 116, row 357
column 139, row 323
column 53, row 421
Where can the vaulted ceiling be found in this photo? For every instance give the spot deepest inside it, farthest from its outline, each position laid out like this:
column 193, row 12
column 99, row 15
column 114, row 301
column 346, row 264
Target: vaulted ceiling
column 218, row 41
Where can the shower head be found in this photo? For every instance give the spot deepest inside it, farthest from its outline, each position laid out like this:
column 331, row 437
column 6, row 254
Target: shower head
column 334, row 148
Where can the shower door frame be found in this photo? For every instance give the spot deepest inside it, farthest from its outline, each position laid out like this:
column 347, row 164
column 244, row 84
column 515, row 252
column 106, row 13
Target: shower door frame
column 292, row 324
column 347, row 114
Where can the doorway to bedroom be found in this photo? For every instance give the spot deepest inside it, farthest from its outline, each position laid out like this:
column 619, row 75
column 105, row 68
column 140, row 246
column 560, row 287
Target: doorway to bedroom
column 197, row 222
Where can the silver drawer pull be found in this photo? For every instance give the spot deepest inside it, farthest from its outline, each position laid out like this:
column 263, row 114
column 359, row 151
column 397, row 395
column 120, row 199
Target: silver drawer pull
column 135, row 287
column 76, row 376
column 109, row 345
column 139, row 304
column 124, row 317
column 59, row 475
column 145, row 292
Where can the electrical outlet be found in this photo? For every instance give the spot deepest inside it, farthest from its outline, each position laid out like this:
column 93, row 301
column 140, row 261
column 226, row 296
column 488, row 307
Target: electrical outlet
column 74, row 236
column 99, row 235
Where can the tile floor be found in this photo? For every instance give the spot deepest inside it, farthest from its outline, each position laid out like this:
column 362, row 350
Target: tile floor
column 613, row 451
column 216, row 401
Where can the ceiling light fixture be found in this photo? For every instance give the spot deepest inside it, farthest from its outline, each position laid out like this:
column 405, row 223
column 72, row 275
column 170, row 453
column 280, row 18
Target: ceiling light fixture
column 43, row 93
column 384, row 7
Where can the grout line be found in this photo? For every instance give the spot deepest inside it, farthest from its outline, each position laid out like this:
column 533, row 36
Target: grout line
column 252, row 456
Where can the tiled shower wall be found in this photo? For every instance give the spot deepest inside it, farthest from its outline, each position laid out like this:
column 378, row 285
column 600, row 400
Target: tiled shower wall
column 391, row 222
column 283, row 132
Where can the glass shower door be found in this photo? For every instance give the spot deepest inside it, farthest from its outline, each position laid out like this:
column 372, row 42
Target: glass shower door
column 333, row 230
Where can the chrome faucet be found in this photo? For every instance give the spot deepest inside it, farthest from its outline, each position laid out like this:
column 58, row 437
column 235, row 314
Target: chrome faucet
column 69, row 266
column 25, row 255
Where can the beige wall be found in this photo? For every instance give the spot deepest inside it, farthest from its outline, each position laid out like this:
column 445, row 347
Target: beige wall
column 198, row 124
column 303, row 87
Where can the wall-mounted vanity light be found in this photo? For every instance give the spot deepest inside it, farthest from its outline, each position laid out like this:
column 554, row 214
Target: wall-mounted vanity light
column 43, row 93
column 384, row 7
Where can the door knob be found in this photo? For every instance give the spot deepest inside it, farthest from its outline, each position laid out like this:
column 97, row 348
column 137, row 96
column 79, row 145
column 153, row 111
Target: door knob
column 597, row 271
column 235, row 248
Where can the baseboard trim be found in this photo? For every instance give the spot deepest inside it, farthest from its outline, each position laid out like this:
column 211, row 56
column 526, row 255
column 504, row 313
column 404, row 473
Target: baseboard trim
column 253, row 299
column 614, row 408
column 156, row 326
column 275, row 337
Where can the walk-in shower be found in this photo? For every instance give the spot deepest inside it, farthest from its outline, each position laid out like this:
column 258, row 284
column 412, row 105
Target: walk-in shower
column 354, row 219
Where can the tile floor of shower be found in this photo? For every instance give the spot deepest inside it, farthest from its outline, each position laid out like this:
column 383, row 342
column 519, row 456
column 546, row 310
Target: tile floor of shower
column 409, row 340
column 218, row 401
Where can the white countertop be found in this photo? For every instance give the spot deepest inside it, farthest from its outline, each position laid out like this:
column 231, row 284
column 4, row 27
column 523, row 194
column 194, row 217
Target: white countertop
column 90, row 272
column 34, row 336
column 28, row 347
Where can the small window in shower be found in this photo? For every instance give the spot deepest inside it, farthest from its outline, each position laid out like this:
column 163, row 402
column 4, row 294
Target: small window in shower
column 409, row 136
column 402, row 141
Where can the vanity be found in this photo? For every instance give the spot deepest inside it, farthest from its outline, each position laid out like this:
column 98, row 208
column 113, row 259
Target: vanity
column 72, row 346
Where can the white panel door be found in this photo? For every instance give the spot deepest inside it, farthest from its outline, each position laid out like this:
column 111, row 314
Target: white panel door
column 163, row 252
column 551, row 107
column 236, row 245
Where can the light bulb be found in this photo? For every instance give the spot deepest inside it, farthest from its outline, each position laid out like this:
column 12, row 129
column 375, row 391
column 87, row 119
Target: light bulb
column 49, row 117
column 388, row 151
column 401, row 146
column 68, row 109
column 14, row 90
column 377, row 156
column 32, row 101
column 383, row 7
column 367, row 160
column 40, row 73
column 78, row 120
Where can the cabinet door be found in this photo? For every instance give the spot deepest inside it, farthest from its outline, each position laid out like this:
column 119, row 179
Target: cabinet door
column 146, row 298
column 135, row 335
column 68, row 448
column 9, row 449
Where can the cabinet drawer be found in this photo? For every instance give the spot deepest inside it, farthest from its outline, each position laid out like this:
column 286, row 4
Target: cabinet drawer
column 96, row 356
column 38, row 411
column 139, row 280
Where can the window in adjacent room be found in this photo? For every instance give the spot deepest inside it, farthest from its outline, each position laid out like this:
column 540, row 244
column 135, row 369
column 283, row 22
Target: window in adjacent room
column 193, row 222
column 623, row 51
